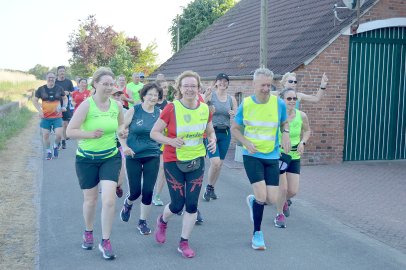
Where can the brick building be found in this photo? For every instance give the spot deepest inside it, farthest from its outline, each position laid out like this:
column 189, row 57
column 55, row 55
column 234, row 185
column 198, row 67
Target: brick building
column 362, row 115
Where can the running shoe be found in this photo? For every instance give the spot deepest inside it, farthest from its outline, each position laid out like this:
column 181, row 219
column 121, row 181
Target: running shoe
column 125, row 211
column 63, row 144
column 56, row 152
column 286, row 210
column 49, row 156
column 258, row 241
column 213, row 195
column 143, row 228
column 185, row 250
column 88, row 240
column 207, row 193
column 199, row 218
column 157, row 201
column 250, row 202
column 119, row 192
column 106, row 249
column 160, row 231
column 280, row 221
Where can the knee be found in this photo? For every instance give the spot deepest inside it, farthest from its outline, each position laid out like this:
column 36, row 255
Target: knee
column 109, row 202
column 216, row 164
column 191, row 208
column 147, row 198
column 90, row 201
column 176, row 208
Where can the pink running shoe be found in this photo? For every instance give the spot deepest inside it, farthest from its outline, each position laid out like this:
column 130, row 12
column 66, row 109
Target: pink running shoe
column 160, row 231
column 186, row 251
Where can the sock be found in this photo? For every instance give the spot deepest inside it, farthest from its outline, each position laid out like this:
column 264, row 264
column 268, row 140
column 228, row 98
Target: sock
column 55, row 145
column 141, row 221
column 183, row 239
column 88, row 231
column 258, row 211
column 49, row 150
column 162, row 220
column 210, row 186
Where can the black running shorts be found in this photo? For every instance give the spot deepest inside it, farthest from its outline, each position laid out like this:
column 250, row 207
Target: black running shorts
column 259, row 169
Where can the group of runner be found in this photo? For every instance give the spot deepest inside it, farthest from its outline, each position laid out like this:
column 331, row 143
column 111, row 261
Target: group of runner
column 131, row 131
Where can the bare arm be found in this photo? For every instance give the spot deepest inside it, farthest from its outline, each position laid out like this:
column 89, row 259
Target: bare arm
column 285, row 136
column 233, row 108
column 305, row 133
column 211, row 136
column 124, row 129
column 319, row 94
column 38, row 106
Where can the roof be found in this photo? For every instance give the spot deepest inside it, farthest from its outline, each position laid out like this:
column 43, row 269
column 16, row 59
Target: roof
column 297, row 30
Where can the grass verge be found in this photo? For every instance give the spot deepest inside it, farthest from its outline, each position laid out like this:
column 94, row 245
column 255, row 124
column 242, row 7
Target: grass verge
column 13, row 122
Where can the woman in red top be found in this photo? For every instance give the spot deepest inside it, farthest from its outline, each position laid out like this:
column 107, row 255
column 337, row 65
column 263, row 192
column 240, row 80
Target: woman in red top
column 80, row 95
column 184, row 182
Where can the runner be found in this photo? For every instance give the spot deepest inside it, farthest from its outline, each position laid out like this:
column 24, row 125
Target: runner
column 133, row 89
column 50, row 112
column 299, row 135
column 98, row 160
column 78, row 96
column 262, row 114
column 224, row 109
column 142, row 154
column 161, row 104
column 68, row 88
column 186, row 120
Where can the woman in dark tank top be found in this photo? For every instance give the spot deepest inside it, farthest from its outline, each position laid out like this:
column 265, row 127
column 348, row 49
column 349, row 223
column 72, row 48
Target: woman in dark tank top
column 224, row 106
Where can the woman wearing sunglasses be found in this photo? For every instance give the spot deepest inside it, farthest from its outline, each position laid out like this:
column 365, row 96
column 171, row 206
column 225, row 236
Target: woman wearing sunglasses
column 299, row 134
column 289, row 81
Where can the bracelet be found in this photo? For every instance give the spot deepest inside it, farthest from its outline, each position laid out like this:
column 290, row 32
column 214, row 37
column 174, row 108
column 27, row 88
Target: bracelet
column 322, row 88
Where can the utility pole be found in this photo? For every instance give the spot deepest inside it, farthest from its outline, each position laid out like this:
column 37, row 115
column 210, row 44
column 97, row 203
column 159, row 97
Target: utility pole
column 177, row 35
column 263, row 36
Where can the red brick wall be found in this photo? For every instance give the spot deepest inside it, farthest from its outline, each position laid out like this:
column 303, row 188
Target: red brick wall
column 327, row 117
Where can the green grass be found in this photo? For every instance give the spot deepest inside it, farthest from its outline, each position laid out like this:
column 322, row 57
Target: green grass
column 13, row 123
column 17, row 90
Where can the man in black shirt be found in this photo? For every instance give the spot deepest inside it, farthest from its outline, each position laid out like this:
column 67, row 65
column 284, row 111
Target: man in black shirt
column 68, row 88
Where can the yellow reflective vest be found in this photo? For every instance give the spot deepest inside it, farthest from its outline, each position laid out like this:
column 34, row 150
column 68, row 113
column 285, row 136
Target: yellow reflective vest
column 261, row 123
column 191, row 125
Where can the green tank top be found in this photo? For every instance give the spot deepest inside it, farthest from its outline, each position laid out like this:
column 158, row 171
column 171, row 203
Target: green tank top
column 295, row 130
column 105, row 146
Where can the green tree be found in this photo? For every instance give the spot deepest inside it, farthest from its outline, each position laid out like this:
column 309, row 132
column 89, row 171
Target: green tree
column 39, row 71
column 195, row 18
column 93, row 46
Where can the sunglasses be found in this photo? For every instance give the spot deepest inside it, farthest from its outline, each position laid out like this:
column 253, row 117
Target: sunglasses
column 291, row 98
column 292, row 81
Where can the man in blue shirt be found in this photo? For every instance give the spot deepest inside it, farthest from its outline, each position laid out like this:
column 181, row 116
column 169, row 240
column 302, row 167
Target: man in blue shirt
column 261, row 115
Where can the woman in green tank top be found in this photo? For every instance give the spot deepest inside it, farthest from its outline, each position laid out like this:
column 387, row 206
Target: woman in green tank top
column 299, row 134
column 95, row 124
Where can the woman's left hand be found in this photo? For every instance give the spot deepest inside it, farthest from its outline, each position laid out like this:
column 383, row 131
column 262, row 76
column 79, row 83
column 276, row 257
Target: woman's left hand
column 211, row 146
column 300, row 148
column 231, row 113
column 324, row 81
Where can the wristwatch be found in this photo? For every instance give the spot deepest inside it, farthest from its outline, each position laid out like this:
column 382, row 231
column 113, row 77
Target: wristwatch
column 285, row 131
column 303, row 142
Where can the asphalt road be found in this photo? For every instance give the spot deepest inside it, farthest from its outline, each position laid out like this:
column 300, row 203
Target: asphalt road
column 313, row 239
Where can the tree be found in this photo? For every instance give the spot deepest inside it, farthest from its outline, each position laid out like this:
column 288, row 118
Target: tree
column 195, row 18
column 93, row 46
column 39, row 71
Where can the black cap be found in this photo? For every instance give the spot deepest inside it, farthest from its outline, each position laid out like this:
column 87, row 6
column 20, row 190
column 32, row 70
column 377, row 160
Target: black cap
column 222, row 76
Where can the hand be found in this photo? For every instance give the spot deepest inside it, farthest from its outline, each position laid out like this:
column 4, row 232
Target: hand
column 231, row 113
column 207, row 94
column 286, row 142
column 128, row 151
column 211, row 146
column 324, row 80
column 97, row 133
column 212, row 109
column 177, row 142
column 123, row 133
column 300, row 148
column 251, row 147
column 63, row 109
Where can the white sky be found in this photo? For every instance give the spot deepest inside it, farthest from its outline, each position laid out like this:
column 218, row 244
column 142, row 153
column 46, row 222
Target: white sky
column 36, row 31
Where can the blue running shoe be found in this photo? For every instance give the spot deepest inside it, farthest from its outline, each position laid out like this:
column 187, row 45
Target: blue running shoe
column 258, row 241
column 125, row 211
column 56, row 152
column 250, row 203
column 49, row 156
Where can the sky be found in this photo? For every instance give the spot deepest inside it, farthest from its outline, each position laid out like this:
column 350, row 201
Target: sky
column 36, row 31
